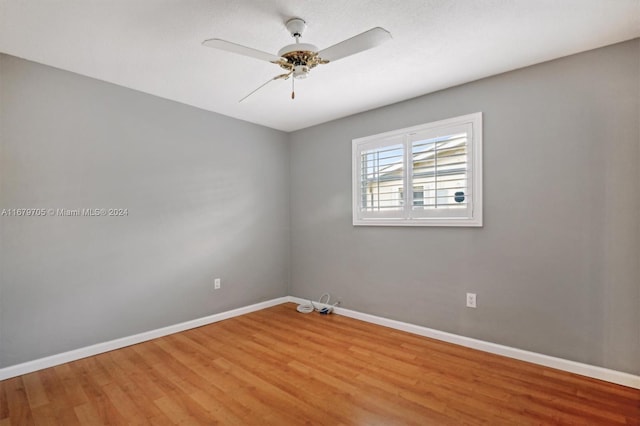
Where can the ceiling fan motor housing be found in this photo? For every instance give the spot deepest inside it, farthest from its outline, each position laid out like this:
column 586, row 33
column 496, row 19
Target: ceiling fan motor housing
column 300, row 57
column 297, row 47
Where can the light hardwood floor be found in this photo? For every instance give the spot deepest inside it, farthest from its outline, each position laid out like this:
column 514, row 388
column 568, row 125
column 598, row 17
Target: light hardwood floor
column 279, row 367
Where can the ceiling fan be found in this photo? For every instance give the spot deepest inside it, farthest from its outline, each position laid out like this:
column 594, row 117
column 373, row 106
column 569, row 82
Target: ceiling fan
column 299, row 58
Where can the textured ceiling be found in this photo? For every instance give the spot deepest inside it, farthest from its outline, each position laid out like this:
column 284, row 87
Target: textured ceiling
column 154, row 46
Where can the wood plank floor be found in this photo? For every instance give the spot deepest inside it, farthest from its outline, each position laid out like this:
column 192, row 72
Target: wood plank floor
column 280, row 367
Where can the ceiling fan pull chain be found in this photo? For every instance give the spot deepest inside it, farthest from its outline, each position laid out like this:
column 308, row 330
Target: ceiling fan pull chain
column 293, row 88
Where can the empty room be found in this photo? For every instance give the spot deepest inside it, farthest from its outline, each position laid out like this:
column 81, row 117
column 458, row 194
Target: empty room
column 325, row 212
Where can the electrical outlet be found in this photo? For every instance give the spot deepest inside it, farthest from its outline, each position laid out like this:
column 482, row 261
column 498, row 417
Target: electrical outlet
column 216, row 284
column 471, row 300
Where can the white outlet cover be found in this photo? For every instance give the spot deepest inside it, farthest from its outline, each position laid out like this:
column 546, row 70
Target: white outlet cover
column 471, row 300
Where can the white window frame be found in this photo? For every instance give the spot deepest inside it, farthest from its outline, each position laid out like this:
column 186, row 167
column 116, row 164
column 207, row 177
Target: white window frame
column 405, row 216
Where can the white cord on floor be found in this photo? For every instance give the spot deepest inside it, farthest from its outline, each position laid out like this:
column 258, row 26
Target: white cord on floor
column 307, row 308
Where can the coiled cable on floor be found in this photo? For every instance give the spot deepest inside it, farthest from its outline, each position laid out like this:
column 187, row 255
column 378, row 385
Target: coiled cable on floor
column 320, row 306
column 305, row 309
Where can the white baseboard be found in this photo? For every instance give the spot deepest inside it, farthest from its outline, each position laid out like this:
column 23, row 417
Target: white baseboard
column 593, row 371
column 53, row 360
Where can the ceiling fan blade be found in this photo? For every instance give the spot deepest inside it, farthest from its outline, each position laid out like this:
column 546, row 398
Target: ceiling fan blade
column 217, row 43
column 355, row 44
column 278, row 77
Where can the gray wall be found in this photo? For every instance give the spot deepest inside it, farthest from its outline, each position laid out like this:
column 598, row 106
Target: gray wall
column 556, row 265
column 207, row 197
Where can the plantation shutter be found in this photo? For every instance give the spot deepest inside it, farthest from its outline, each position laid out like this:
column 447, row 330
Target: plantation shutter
column 441, row 165
column 382, row 178
column 427, row 175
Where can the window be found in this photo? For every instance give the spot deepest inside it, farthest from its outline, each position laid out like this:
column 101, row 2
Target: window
column 441, row 162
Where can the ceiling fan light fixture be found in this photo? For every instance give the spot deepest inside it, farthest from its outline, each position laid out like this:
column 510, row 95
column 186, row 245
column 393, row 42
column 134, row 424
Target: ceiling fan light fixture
column 300, row 72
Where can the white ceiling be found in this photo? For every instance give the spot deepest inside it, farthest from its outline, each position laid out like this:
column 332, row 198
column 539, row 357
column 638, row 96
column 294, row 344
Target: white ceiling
column 154, row 46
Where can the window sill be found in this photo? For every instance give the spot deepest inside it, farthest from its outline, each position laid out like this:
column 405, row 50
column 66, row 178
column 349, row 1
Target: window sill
column 451, row 222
